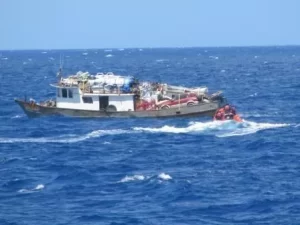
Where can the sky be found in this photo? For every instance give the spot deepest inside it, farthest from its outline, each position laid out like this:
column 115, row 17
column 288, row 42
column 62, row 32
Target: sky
column 84, row 24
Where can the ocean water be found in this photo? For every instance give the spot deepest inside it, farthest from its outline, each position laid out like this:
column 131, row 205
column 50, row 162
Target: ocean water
column 56, row 170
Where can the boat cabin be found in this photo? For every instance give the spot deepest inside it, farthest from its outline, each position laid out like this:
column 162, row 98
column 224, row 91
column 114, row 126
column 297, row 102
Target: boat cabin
column 74, row 98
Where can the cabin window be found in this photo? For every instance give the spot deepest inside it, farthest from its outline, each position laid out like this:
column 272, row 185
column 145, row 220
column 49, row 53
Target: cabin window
column 70, row 92
column 58, row 92
column 64, row 93
column 87, row 100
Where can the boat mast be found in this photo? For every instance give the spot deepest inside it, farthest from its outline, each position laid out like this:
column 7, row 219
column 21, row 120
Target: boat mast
column 59, row 73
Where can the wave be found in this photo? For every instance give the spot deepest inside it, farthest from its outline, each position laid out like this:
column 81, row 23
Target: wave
column 64, row 138
column 164, row 176
column 217, row 128
column 132, row 178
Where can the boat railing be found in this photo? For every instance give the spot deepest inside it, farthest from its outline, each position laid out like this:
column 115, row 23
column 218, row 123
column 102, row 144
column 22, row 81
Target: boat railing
column 107, row 90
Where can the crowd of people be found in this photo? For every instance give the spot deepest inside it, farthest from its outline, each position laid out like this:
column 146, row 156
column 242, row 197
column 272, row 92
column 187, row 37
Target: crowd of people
column 226, row 113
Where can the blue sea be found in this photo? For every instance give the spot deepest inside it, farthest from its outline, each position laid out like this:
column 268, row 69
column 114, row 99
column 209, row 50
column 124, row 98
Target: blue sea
column 65, row 171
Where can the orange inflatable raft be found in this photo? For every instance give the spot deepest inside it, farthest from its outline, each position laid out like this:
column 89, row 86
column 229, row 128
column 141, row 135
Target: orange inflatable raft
column 227, row 113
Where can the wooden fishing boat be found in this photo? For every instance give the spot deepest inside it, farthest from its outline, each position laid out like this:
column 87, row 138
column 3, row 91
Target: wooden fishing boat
column 110, row 95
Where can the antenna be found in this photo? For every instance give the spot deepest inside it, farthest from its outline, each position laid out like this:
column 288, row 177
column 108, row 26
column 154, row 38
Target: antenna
column 61, row 63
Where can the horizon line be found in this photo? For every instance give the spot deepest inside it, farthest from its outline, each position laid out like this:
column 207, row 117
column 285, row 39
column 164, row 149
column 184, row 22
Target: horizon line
column 171, row 47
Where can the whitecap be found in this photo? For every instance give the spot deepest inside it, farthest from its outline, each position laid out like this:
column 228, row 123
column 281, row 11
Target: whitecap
column 213, row 57
column 253, row 95
column 132, row 178
column 161, row 60
column 121, row 49
column 85, row 53
column 37, row 188
column 164, row 176
column 193, row 127
column 108, row 50
column 17, row 116
column 109, row 55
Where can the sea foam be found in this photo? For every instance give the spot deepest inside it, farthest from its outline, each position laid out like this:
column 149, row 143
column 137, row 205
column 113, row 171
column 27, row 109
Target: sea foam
column 217, row 128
